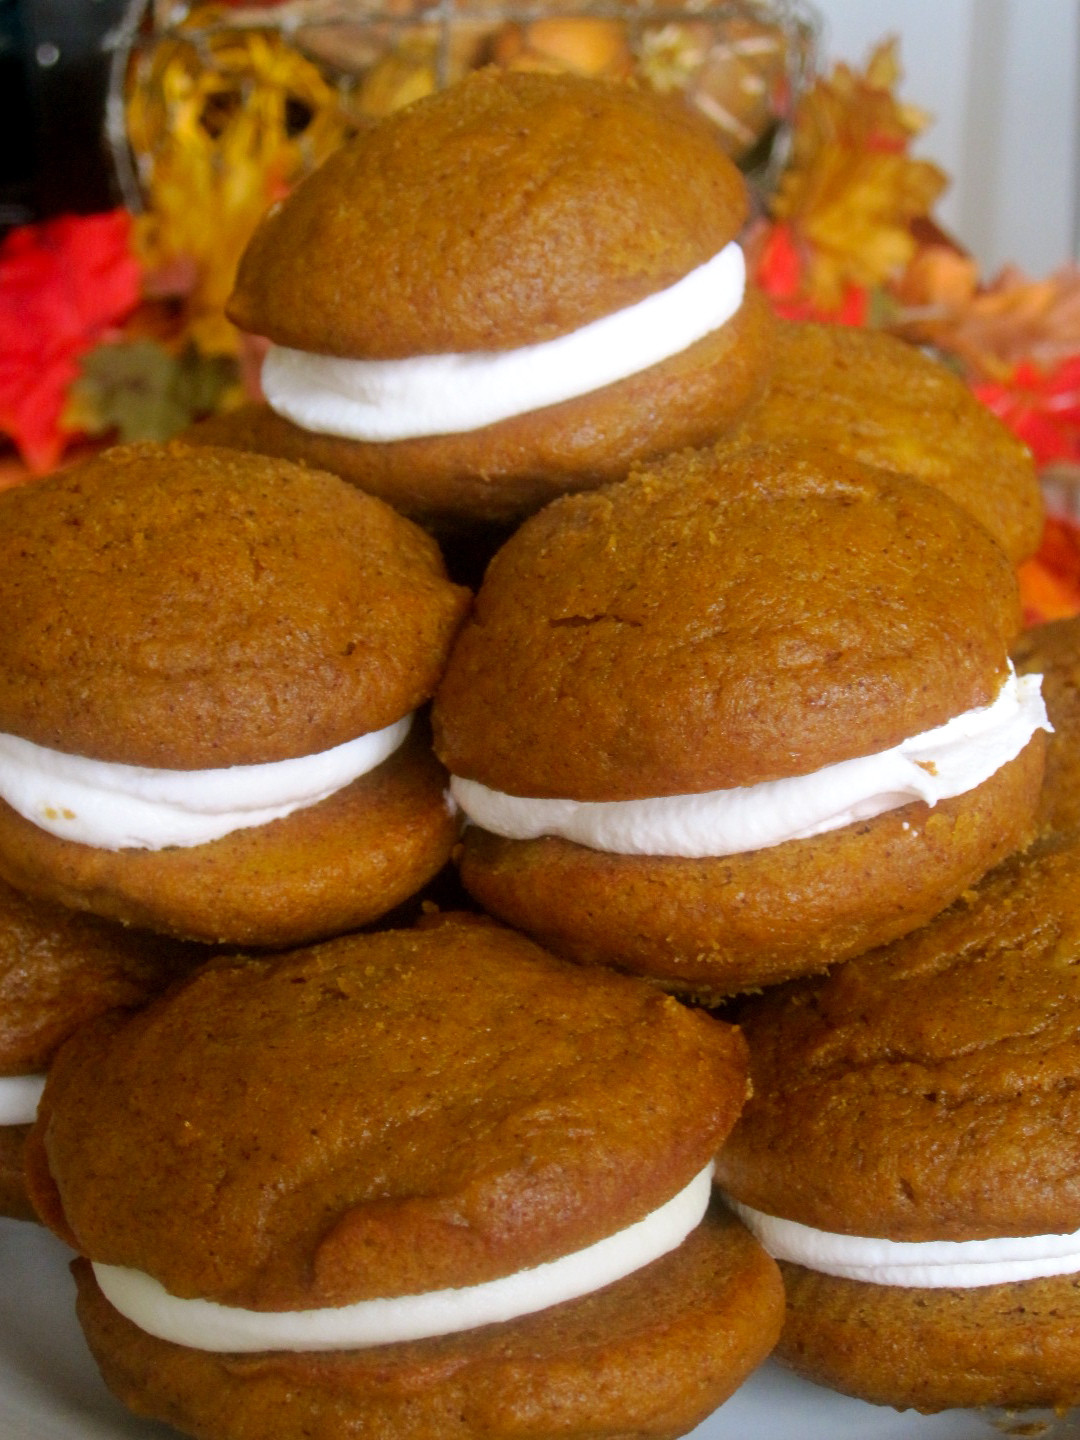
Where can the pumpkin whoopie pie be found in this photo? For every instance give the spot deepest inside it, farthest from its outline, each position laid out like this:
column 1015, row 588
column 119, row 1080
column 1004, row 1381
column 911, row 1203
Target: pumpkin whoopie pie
column 871, row 396
column 59, row 968
column 501, row 293
column 1053, row 650
column 413, row 1183
column 646, row 716
column 912, row 1152
column 207, row 668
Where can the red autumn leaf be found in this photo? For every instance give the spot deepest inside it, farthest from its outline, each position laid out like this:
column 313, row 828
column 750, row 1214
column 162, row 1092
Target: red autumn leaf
column 779, row 273
column 1041, row 407
column 1050, row 580
column 64, row 284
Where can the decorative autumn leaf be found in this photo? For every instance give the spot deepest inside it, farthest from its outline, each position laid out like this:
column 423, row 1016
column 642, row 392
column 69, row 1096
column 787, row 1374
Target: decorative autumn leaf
column 142, row 392
column 222, row 123
column 64, row 284
column 1041, row 407
column 993, row 328
column 851, row 191
column 1050, row 580
column 779, row 270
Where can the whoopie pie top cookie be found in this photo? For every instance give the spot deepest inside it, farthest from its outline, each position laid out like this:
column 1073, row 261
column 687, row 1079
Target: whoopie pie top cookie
column 191, row 608
column 207, row 653
column 555, row 207
column 723, row 622
column 497, row 294
column 884, row 402
column 926, row 1090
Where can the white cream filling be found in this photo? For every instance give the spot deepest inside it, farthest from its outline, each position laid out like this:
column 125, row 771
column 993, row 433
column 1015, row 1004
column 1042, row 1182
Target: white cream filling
column 946, row 761
column 924, row 1265
column 207, row 1325
column 114, row 806
column 19, row 1097
column 454, row 393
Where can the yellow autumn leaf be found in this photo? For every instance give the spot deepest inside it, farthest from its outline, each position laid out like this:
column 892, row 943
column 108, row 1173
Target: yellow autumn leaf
column 851, row 189
column 221, row 122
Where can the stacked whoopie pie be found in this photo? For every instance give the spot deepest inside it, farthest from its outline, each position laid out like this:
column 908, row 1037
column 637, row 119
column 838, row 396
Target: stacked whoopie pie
column 744, row 715
column 411, row 1184
column 870, row 396
column 719, row 717
column 512, row 289
column 208, row 673
column 911, row 1153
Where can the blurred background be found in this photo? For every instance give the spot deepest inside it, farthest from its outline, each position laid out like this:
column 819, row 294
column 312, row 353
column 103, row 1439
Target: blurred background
column 1002, row 81
column 913, row 165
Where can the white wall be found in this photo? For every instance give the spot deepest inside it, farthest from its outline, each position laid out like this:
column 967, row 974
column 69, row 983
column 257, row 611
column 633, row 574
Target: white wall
column 1002, row 79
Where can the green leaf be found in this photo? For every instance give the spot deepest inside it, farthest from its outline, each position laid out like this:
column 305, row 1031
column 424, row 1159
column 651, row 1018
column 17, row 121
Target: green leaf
column 145, row 392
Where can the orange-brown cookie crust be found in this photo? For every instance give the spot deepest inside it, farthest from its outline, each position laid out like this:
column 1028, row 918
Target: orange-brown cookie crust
column 503, row 211
column 507, row 470
column 714, row 623
column 651, row 1355
column 380, row 1115
column 928, row 1090
column 59, row 968
column 15, row 1202
column 883, row 402
column 317, row 872
column 929, row 1350
column 712, row 927
column 1053, row 651
column 190, row 608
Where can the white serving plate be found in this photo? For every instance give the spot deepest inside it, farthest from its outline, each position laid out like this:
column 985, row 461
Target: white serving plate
column 50, row 1390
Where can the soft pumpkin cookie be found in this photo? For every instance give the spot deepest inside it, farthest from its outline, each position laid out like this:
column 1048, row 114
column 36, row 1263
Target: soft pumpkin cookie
column 911, row 1152
column 497, row 294
column 322, row 1143
column 58, row 969
column 207, row 676
column 884, row 402
column 1053, row 651
column 694, row 719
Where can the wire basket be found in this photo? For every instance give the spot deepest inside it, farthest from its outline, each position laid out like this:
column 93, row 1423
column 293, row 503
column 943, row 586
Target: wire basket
column 742, row 63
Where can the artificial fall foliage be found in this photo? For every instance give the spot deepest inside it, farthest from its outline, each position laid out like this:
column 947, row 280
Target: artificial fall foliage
column 1050, row 580
column 139, row 390
column 65, row 287
column 220, row 129
column 851, row 189
column 111, row 326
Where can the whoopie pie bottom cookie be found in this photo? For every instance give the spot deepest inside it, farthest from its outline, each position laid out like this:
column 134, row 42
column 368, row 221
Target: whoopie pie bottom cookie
column 1014, row 1345
column 14, row 1201
column 505, row 471
column 713, row 927
column 320, row 871
column 652, row 1354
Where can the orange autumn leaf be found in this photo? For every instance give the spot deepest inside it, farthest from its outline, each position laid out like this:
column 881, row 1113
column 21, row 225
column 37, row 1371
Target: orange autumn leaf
column 994, row 328
column 851, row 190
column 939, row 280
column 1050, row 580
